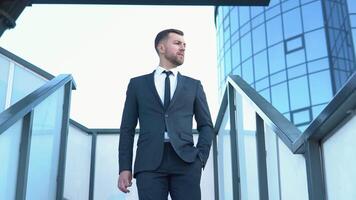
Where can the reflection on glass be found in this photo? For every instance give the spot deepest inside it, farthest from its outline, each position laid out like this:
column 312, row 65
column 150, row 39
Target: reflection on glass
column 320, row 87
column 280, row 97
column 274, row 31
column 44, row 152
column 315, row 44
column 9, row 154
column 292, row 23
column 299, row 93
column 312, row 16
column 4, row 74
column 276, row 58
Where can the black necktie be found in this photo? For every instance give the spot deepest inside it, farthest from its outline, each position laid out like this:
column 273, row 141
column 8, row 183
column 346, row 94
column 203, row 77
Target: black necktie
column 167, row 90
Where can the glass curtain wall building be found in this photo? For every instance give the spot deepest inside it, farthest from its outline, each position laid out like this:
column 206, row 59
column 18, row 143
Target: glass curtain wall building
column 295, row 53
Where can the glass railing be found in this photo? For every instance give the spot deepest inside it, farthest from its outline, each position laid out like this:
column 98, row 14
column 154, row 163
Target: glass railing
column 259, row 154
column 33, row 138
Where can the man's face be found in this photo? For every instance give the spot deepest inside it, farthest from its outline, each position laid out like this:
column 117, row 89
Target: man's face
column 174, row 47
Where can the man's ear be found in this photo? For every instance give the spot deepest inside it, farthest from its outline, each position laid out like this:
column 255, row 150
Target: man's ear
column 161, row 48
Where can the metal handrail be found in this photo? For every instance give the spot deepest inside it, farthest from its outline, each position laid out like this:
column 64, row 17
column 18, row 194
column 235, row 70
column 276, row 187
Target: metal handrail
column 28, row 103
column 340, row 107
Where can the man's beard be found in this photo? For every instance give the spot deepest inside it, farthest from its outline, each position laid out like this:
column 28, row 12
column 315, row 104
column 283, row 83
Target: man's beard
column 174, row 60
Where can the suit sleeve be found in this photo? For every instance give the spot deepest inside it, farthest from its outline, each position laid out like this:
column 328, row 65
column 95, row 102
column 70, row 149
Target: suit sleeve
column 204, row 124
column 127, row 128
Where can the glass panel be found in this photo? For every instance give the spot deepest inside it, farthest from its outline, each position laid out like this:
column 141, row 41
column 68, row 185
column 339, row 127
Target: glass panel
column 294, row 43
column 262, row 84
column 293, row 177
column 295, row 58
column 9, row 154
column 44, row 152
column 317, row 110
column 106, row 166
column 279, row 77
column 259, row 38
column 292, row 23
column 312, row 16
column 351, row 6
column 261, row 65
column 320, row 87
column 246, row 46
column 235, row 54
column 24, row 83
column 297, row 71
column 280, row 97
column 318, row 65
column 272, row 163
column 299, row 93
column 315, row 44
column 224, row 159
column 274, row 31
column 273, row 11
column 256, row 10
column 226, row 36
column 77, row 164
column 244, row 12
column 247, row 153
column 301, row 116
column 234, row 20
column 228, row 67
column 338, row 153
column 247, row 71
column 276, row 58
column 265, row 93
column 4, row 75
column 289, row 4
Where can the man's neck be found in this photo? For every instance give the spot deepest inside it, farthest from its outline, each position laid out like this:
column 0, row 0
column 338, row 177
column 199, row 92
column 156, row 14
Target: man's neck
column 167, row 66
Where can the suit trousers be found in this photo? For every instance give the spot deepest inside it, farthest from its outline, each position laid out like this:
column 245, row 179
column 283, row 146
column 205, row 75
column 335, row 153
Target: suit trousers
column 174, row 176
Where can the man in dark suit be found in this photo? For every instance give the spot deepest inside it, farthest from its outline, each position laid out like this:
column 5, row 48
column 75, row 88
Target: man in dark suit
column 164, row 102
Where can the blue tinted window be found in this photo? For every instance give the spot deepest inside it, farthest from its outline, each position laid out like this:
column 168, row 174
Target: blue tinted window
column 312, row 16
column 318, row 65
column 297, row 71
column 301, row 117
column 353, row 20
column 235, row 54
column 292, row 23
column 262, row 84
column 273, row 2
column 222, row 70
column 295, row 58
column 235, row 37
column 280, row 97
column 259, row 39
column 256, row 10
column 274, row 31
column 272, row 12
column 227, row 58
column 294, row 43
column 279, row 77
column 225, row 10
column 351, row 6
column 226, row 34
column 237, row 71
column 244, row 14
column 258, row 20
column 4, row 75
column 299, row 93
column 234, row 20
column 290, row 4
column 221, row 39
column 261, row 65
column 247, row 71
column 315, row 44
column 317, row 110
column 276, row 58
column 320, row 87
column 245, row 28
column 265, row 94
column 246, row 46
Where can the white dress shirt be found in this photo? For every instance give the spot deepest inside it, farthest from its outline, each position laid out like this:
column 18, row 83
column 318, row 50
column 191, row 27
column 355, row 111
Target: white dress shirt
column 160, row 78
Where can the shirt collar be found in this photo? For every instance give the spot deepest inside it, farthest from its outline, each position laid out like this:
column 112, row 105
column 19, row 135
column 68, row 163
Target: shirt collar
column 160, row 69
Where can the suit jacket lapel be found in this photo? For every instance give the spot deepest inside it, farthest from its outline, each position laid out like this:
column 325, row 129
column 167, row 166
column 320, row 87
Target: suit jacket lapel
column 151, row 84
column 180, row 83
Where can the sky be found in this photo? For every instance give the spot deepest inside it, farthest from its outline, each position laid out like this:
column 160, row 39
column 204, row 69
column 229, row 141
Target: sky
column 103, row 46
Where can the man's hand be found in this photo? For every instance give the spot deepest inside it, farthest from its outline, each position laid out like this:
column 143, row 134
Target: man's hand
column 124, row 181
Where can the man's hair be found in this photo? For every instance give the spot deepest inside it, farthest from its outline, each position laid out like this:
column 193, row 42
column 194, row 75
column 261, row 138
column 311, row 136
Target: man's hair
column 164, row 34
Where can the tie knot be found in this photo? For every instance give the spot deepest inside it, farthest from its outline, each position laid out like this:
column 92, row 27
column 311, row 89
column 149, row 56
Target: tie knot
column 168, row 73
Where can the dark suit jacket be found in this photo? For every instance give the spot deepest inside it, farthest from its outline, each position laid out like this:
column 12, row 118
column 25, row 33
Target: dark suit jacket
column 144, row 104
